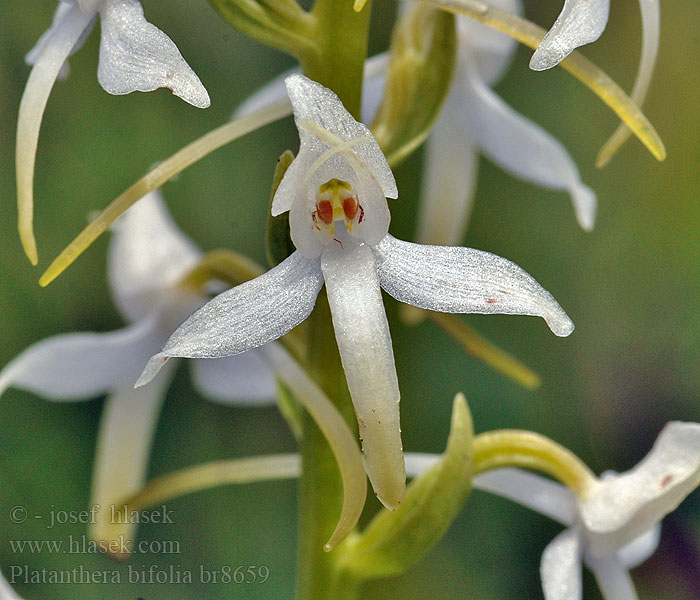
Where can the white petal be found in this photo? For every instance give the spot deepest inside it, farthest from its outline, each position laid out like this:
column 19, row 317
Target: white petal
column 449, row 179
column 89, row 5
column 560, row 568
column 247, row 316
column 622, row 507
column 640, row 549
column 362, row 333
column 313, row 102
column 6, row 591
column 291, row 189
column 83, row 365
column 580, row 22
column 541, row 495
column 61, row 11
column 373, row 85
column 137, row 56
column 523, row 148
column 148, row 255
column 464, row 280
column 613, row 578
column 123, row 452
column 244, row 380
column 490, row 51
column 31, row 110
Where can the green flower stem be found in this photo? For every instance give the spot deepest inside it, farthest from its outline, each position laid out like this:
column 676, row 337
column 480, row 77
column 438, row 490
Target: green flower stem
column 528, row 450
column 338, row 61
column 341, row 36
column 320, row 487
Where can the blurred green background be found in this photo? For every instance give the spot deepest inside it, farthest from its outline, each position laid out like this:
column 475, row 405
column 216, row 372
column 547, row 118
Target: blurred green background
column 631, row 286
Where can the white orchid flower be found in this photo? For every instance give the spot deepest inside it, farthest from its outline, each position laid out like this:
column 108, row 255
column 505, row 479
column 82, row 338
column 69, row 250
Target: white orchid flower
column 340, row 174
column 134, row 56
column 615, row 526
column 474, row 120
column 148, row 258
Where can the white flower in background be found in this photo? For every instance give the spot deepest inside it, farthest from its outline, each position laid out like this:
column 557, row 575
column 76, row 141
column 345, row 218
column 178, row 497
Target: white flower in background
column 134, row 56
column 615, row 526
column 340, row 174
column 6, row 591
column 475, row 120
column 148, row 258
column 582, row 22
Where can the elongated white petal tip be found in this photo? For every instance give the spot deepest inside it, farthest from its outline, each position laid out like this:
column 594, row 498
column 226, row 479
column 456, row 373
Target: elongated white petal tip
column 580, row 22
column 155, row 364
column 560, row 323
column 137, row 56
column 543, row 59
column 585, row 205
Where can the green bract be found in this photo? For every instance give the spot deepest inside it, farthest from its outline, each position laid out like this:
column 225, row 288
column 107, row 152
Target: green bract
column 423, row 50
column 394, row 541
column 282, row 24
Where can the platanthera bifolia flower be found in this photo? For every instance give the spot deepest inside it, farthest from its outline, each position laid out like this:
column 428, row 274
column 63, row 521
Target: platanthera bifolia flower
column 335, row 191
column 148, row 258
column 615, row 524
column 475, row 120
column 134, row 56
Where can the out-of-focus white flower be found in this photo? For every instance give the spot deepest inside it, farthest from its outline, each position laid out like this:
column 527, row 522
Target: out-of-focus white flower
column 340, row 174
column 475, row 120
column 6, row 591
column 615, row 525
column 148, row 258
column 134, row 56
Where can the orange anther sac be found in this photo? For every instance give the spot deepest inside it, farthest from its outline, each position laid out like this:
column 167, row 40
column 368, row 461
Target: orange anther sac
column 325, row 211
column 350, row 207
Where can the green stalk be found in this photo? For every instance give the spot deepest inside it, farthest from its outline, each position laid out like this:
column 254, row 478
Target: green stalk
column 341, row 36
column 320, row 487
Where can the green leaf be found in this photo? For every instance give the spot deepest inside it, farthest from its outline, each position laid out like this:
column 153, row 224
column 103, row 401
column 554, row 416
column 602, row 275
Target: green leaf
column 423, row 49
column 281, row 24
column 394, row 541
column 278, row 243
